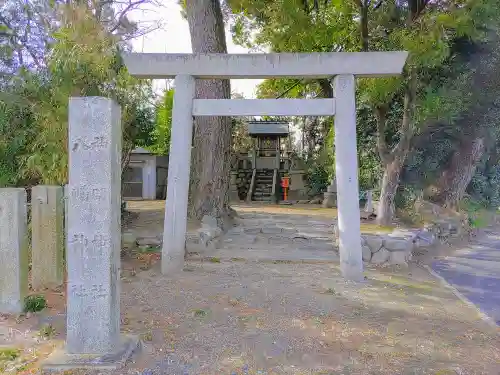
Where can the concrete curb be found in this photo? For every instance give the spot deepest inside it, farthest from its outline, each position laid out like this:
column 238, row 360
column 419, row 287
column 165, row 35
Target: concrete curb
column 487, row 319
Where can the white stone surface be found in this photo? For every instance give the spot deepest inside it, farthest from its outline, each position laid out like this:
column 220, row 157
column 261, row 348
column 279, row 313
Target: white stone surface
column 94, row 230
column 174, row 234
column 13, row 250
column 47, row 236
column 374, row 242
column 263, row 107
column 367, row 254
column 399, row 244
column 66, row 215
column 346, row 172
column 272, row 65
column 380, row 257
column 369, row 202
column 399, row 258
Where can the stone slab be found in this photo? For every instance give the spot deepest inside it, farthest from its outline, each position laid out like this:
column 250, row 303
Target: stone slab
column 60, row 360
column 367, row 253
column 381, row 256
column 400, row 258
column 47, row 239
column 13, row 250
column 405, row 245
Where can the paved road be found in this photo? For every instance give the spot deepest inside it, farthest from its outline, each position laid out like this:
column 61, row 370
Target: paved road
column 475, row 272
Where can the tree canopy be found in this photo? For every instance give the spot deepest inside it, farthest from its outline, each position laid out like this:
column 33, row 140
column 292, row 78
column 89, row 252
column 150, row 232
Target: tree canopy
column 435, row 85
column 76, row 52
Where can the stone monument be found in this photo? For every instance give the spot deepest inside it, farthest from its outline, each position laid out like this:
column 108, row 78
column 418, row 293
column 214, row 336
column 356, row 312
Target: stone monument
column 47, row 239
column 94, row 237
column 13, row 250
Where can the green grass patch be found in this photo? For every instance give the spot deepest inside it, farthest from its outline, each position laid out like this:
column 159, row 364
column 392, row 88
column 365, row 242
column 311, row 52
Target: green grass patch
column 34, row 303
column 478, row 214
column 200, row 313
column 47, row 331
column 370, row 228
column 9, row 354
column 148, row 249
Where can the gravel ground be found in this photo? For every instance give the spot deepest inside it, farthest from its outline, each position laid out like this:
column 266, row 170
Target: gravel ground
column 236, row 316
column 250, row 318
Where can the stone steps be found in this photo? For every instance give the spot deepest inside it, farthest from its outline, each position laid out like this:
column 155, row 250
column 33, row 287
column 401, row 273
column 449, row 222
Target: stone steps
column 262, row 198
column 262, row 192
column 263, row 186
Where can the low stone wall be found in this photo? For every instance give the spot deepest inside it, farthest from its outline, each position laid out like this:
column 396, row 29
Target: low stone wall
column 398, row 247
column 391, row 249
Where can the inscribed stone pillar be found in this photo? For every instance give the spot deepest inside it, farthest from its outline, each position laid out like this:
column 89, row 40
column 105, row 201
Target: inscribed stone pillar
column 66, row 215
column 13, row 250
column 94, row 225
column 47, row 236
column 94, row 239
column 346, row 169
column 174, row 233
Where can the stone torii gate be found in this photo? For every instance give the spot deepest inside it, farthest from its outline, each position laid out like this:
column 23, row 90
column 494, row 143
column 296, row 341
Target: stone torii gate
column 185, row 68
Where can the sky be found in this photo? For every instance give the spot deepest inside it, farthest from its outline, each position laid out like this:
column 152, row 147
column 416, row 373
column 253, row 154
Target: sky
column 173, row 37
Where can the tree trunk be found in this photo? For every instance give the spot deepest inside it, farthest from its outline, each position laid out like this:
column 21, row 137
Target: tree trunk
column 364, row 4
column 394, row 160
column 211, row 155
column 455, row 179
column 390, row 181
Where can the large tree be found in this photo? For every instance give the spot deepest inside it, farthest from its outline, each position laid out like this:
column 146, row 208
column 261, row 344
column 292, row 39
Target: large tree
column 212, row 135
column 402, row 106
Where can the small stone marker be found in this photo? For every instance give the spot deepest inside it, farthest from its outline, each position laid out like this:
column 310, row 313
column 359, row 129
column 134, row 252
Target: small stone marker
column 330, row 195
column 13, row 250
column 47, row 238
column 369, row 202
column 94, row 237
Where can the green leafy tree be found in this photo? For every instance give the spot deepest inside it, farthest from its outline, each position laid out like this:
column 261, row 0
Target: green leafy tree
column 84, row 60
column 400, row 107
column 160, row 136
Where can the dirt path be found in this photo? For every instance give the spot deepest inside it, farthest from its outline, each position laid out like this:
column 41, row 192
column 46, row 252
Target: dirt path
column 242, row 318
column 238, row 316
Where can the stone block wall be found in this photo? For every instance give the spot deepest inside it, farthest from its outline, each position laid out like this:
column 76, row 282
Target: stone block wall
column 243, row 179
column 398, row 247
column 386, row 249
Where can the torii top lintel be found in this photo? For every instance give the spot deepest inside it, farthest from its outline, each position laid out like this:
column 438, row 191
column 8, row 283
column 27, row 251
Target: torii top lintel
column 271, row 65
